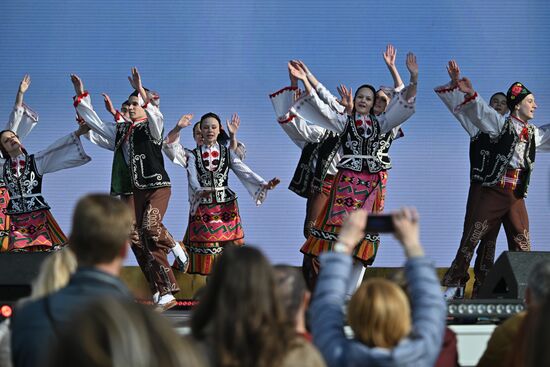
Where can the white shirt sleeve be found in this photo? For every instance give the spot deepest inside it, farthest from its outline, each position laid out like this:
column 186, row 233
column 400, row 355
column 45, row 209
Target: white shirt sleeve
column 66, row 152
column 175, row 152
column 155, row 119
column 312, row 109
column 240, row 151
column 22, row 121
column 542, row 138
column 327, row 97
column 252, row 181
column 452, row 98
column 399, row 110
column 99, row 140
column 483, row 116
column 83, row 105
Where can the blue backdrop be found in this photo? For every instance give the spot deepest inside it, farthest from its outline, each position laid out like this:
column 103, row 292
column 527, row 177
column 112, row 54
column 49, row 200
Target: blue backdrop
column 226, row 56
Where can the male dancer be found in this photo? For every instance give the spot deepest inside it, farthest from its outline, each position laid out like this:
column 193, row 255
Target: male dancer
column 502, row 162
column 138, row 161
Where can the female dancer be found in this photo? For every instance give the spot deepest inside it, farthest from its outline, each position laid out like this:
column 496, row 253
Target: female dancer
column 22, row 120
column 214, row 219
column 33, row 227
column 363, row 164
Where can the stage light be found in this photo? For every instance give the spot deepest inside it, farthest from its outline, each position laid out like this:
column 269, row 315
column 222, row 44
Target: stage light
column 487, row 308
column 6, row 311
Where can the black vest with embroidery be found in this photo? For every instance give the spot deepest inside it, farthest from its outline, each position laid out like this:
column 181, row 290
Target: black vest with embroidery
column 490, row 157
column 26, row 190
column 309, row 177
column 355, row 144
column 216, row 179
column 145, row 156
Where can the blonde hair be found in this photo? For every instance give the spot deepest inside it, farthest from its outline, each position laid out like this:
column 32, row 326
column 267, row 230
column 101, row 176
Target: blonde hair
column 379, row 313
column 55, row 273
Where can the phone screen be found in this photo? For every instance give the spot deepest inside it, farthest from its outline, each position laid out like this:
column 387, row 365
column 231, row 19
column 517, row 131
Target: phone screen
column 382, row 223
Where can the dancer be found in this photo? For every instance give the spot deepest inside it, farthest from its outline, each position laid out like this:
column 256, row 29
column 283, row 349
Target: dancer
column 214, row 219
column 33, row 228
column 138, row 154
column 502, row 162
column 21, row 121
column 360, row 171
column 485, row 253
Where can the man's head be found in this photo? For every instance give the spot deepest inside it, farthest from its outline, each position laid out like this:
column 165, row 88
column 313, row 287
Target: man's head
column 293, row 292
column 101, row 230
column 125, row 109
column 538, row 284
column 498, row 102
column 521, row 102
column 135, row 110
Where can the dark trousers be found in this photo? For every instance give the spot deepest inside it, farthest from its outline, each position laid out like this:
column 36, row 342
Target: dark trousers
column 150, row 207
column 486, row 210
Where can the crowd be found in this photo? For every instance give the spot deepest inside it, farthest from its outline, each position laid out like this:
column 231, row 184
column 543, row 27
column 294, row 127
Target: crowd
column 251, row 313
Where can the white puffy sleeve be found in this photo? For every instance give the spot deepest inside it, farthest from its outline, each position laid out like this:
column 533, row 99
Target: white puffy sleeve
column 66, row 152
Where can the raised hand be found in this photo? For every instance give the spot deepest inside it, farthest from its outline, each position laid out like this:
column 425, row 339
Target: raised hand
column 412, row 65
column 135, row 79
column 25, row 83
column 108, row 104
column 82, row 128
column 389, row 56
column 233, row 125
column 302, row 66
column 272, row 183
column 77, row 84
column 293, row 79
column 465, row 85
column 347, row 97
column 454, row 71
column 185, row 121
column 353, row 229
column 407, row 231
column 296, row 71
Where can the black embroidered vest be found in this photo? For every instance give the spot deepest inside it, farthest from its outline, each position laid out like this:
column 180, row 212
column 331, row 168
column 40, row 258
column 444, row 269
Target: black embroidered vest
column 489, row 158
column 308, row 177
column 145, row 156
column 26, row 190
column 375, row 148
column 217, row 179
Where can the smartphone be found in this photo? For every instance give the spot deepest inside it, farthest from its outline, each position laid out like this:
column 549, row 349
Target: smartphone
column 380, row 223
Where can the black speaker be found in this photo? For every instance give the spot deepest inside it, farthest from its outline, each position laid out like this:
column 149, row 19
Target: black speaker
column 17, row 272
column 508, row 277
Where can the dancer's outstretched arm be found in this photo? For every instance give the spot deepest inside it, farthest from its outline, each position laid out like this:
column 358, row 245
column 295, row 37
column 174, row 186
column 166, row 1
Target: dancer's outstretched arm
column 22, row 119
column 389, row 58
column 154, row 116
column 172, row 146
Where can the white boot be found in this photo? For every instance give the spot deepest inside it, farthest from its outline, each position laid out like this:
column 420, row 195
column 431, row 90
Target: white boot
column 166, row 302
column 182, row 259
column 449, row 293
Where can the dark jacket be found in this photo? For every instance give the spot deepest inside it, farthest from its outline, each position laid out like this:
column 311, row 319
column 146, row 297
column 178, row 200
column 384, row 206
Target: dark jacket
column 35, row 324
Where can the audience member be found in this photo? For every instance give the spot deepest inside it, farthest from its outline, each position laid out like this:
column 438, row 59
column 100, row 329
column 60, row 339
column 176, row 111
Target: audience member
column 537, row 340
column 240, row 320
column 507, row 344
column 119, row 333
column 294, row 295
column 386, row 331
column 54, row 274
column 99, row 239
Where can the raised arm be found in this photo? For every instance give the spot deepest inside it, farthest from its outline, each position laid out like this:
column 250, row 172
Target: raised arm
column 236, row 146
column 402, row 105
column 154, row 116
column 452, row 97
column 22, row 119
column 254, row 183
column 66, row 152
column 389, row 58
column 477, row 111
column 85, row 110
column 172, row 146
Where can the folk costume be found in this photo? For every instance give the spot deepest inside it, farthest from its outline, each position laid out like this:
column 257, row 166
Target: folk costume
column 316, row 167
column 361, row 178
column 502, row 155
column 138, row 168
column 33, row 228
column 121, row 183
column 21, row 121
column 214, row 219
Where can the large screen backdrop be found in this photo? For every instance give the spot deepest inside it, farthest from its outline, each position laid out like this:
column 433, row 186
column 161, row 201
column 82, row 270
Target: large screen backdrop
column 226, row 56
